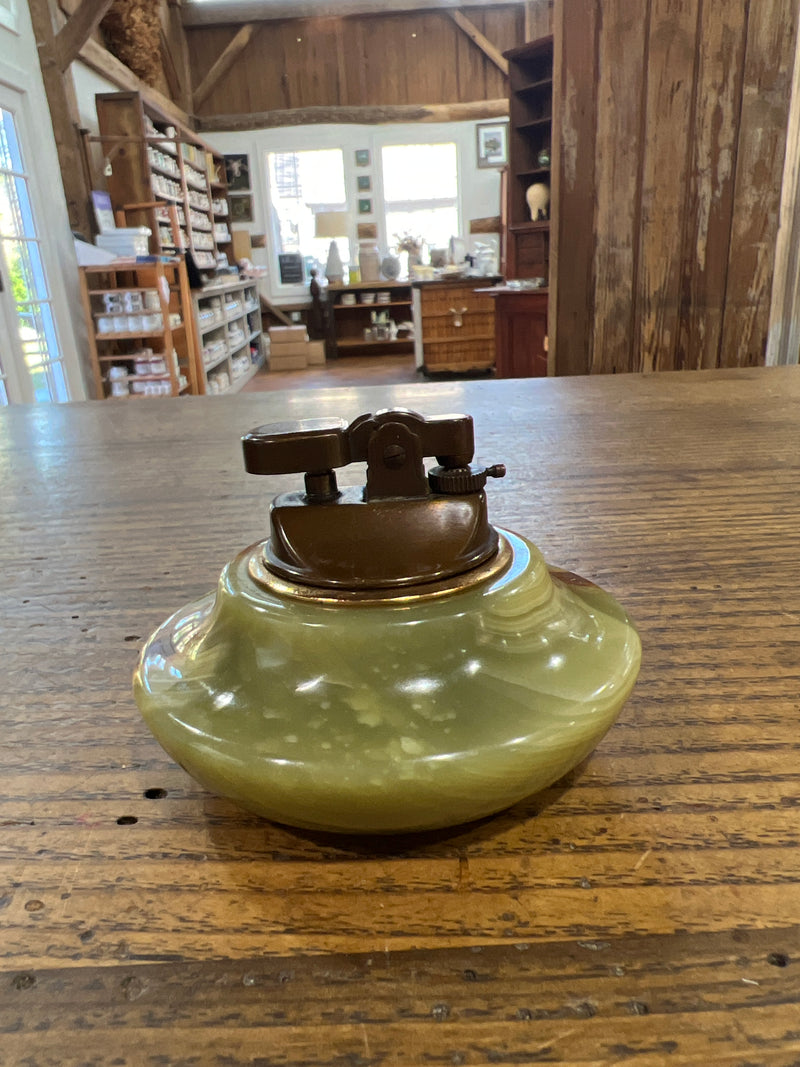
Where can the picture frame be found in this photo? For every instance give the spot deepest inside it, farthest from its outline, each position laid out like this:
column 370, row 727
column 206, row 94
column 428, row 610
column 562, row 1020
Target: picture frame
column 365, row 206
column 237, row 172
column 364, row 182
column 241, row 208
column 362, row 157
column 492, row 144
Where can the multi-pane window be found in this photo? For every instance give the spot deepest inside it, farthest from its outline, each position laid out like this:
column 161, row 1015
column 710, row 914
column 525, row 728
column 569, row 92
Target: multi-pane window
column 420, row 191
column 303, row 185
column 24, row 275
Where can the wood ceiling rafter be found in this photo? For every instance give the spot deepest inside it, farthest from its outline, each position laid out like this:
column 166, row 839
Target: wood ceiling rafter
column 223, row 64
column 78, row 29
column 472, row 110
column 468, row 27
column 235, row 13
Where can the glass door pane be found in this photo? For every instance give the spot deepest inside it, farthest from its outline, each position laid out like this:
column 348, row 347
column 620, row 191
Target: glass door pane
column 24, row 275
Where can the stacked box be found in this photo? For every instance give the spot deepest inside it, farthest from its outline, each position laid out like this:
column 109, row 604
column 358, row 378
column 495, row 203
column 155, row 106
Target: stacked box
column 288, row 348
column 316, row 353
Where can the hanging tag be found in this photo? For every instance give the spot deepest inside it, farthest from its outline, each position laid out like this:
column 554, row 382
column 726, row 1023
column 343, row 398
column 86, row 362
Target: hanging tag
column 107, row 171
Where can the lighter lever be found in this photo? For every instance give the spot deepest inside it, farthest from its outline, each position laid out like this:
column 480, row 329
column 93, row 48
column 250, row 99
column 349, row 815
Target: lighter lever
column 393, row 443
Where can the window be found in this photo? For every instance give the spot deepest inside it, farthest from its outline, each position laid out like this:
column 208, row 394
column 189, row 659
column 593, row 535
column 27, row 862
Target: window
column 303, row 185
column 420, row 191
column 23, row 274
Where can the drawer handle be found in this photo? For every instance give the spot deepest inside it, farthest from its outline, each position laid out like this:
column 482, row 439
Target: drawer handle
column 458, row 316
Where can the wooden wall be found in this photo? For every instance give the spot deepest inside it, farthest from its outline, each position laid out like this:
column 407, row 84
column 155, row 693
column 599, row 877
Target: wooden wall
column 674, row 116
column 413, row 58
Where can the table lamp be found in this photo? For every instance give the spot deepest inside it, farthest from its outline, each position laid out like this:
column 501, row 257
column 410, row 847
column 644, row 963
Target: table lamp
column 332, row 224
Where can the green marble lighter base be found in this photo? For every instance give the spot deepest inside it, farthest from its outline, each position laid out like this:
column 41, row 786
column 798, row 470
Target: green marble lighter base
column 382, row 718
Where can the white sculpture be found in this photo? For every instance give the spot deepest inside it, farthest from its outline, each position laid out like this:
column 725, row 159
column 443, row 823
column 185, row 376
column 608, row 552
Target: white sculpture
column 538, row 197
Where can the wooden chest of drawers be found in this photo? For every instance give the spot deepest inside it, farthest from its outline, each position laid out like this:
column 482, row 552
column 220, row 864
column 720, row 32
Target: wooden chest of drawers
column 454, row 325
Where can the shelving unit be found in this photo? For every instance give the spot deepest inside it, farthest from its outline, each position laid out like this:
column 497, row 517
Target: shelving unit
column 154, row 160
column 140, row 315
column 350, row 321
column 530, row 71
column 228, row 317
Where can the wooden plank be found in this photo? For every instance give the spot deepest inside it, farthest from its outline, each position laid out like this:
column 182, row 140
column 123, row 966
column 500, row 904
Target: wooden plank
column 343, row 97
column 506, row 27
column 718, row 93
column 783, row 344
column 479, row 40
column 538, row 19
column 64, row 114
column 78, row 28
column 420, row 81
column 467, row 111
column 103, row 62
column 575, row 125
column 670, row 80
column 620, row 95
column 759, row 169
column 238, row 43
column 470, row 67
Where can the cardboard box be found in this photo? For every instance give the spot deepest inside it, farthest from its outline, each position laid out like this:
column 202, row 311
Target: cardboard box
column 316, row 353
column 280, row 335
column 277, row 363
column 295, row 348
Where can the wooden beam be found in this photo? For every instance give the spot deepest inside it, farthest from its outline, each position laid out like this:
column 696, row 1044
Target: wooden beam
column 368, row 116
column 78, row 28
column 471, row 30
column 179, row 51
column 230, row 54
column 102, row 61
column 230, row 12
column 60, row 91
column 783, row 335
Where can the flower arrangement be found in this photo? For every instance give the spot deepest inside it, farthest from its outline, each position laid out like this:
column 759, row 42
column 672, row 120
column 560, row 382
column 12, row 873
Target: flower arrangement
column 408, row 243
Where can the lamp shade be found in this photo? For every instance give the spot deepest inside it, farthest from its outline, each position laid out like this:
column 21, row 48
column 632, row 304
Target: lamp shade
column 331, row 224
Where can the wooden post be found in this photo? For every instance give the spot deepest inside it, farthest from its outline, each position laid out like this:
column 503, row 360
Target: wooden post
column 783, row 335
column 60, row 90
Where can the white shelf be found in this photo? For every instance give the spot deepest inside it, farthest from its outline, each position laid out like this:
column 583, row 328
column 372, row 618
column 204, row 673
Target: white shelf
column 243, row 379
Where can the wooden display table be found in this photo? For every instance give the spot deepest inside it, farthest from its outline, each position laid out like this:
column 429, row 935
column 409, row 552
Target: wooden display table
column 643, row 910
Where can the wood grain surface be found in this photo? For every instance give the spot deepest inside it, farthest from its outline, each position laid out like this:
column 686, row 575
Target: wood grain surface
column 644, row 910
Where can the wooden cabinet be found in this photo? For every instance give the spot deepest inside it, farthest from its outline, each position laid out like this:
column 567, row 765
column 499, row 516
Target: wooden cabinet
column 228, row 318
column 142, row 340
column 454, row 325
column 151, row 161
column 361, row 318
column 530, row 72
column 521, row 332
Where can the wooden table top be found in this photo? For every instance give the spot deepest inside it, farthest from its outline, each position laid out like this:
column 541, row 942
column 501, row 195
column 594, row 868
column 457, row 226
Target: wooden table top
column 644, row 910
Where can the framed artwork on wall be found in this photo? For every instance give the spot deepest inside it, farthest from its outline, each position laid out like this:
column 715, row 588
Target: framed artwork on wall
column 237, row 172
column 365, row 207
column 241, row 208
column 364, row 183
column 362, row 157
column 492, row 144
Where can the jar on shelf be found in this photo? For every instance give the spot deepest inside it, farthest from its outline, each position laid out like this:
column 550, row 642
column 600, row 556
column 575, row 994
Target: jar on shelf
column 369, row 261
